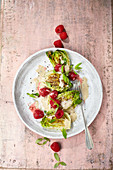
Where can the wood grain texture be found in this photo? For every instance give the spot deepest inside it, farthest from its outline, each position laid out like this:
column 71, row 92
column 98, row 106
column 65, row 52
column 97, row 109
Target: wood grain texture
column 28, row 26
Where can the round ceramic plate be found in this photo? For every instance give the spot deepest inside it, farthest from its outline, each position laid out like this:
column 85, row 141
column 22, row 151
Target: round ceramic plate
column 22, row 85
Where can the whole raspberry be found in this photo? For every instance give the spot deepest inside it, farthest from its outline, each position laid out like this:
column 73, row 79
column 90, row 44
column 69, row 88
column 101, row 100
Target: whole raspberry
column 59, row 113
column 55, row 146
column 58, row 67
column 73, row 76
column 63, row 35
column 58, row 43
column 59, row 29
column 38, row 114
column 54, row 103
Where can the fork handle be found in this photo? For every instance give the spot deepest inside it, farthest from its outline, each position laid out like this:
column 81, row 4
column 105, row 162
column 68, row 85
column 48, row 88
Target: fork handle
column 89, row 142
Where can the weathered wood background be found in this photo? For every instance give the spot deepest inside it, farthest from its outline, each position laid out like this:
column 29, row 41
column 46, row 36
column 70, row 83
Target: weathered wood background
column 28, row 26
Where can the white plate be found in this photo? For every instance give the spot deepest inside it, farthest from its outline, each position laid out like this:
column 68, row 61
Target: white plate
column 22, row 85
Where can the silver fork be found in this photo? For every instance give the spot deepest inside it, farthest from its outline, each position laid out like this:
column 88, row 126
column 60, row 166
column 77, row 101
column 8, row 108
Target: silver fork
column 89, row 141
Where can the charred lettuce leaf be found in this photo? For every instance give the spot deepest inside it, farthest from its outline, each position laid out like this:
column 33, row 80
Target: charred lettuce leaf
column 49, row 121
column 59, row 57
column 73, row 96
column 54, row 81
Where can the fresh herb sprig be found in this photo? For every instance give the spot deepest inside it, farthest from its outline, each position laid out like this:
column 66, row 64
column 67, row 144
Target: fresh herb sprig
column 33, row 95
column 52, row 120
column 41, row 139
column 77, row 67
column 58, row 159
column 66, row 80
column 62, row 68
column 64, row 133
column 55, row 103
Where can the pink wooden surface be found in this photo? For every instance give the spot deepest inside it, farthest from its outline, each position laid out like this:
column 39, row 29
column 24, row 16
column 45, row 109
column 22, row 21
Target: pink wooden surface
column 28, row 26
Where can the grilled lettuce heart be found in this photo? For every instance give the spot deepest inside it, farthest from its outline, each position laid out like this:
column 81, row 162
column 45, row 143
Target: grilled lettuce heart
column 59, row 57
column 69, row 98
column 51, row 122
column 53, row 81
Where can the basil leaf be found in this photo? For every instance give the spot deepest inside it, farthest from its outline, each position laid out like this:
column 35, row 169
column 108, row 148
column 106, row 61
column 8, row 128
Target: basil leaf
column 36, row 94
column 45, row 111
column 52, row 120
column 63, row 163
column 48, row 84
column 44, row 142
column 39, row 140
column 77, row 66
column 56, row 157
column 47, row 139
column 56, row 109
column 66, row 80
column 55, row 102
column 33, row 95
column 62, row 68
column 56, row 165
column 64, row 133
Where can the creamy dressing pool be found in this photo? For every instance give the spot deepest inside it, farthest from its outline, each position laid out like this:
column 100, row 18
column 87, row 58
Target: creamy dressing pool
column 85, row 88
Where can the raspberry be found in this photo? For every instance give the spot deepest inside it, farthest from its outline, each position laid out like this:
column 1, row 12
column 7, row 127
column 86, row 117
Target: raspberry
column 54, row 94
column 58, row 43
column 58, row 67
column 52, row 104
column 63, row 35
column 59, row 29
column 73, row 76
column 44, row 91
column 59, row 113
column 38, row 114
column 55, row 146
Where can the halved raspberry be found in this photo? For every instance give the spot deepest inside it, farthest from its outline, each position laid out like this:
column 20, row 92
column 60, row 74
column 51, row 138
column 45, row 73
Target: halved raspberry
column 53, row 104
column 32, row 107
column 58, row 43
column 44, row 91
column 58, row 67
column 54, row 94
column 55, row 146
column 59, row 113
column 63, row 35
column 59, row 28
column 38, row 114
column 73, row 76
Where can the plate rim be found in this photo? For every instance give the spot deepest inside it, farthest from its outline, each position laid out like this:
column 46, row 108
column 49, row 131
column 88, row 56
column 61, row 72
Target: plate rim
column 14, row 83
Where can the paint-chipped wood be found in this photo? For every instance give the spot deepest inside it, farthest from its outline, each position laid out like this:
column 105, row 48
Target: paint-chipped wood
column 28, row 26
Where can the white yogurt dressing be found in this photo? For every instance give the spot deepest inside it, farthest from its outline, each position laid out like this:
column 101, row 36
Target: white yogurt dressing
column 61, row 81
column 44, row 103
column 66, row 68
column 66, row 104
